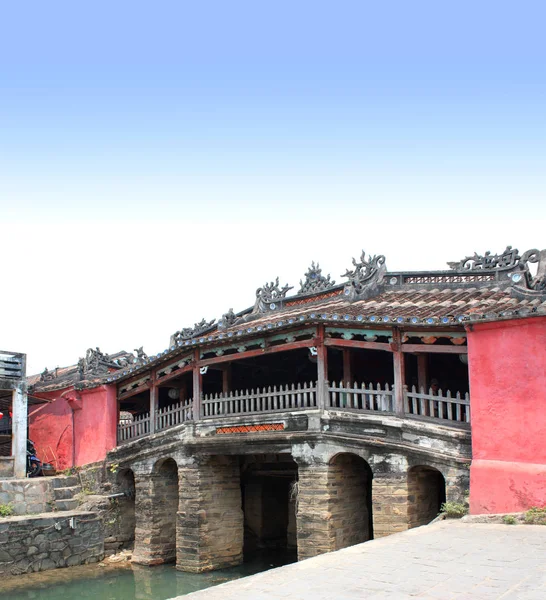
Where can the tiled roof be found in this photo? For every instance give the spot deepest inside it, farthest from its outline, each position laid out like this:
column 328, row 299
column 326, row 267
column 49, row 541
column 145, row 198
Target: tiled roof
column 371, row 298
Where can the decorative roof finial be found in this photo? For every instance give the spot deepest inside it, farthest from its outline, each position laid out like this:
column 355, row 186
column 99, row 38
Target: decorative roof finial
column 270, row 296
column 365, row 276
column 315, row 281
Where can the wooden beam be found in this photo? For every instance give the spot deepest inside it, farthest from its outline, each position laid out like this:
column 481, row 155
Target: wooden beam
column 153, row 404
column 226, row 379
column 422, row 371
column 347, row 371
column 258, row 352
column 197, row 387
column 341, row 343
column 399, row 373
column 434, row 349
column 174, row 374
column 134, row 391
column 322, row 368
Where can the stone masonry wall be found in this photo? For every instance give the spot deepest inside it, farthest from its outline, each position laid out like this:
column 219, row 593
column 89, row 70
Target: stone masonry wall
column 210, row 522
column 156, row 509
column 314, row 533
column 389, row 504
column 47, row 542
column 348, row 502
column 27, row 496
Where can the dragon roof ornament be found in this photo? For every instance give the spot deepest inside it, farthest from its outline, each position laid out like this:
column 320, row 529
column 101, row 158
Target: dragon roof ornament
column 190, row 332
column 315, row 281
column 512, row 262
column 228, row 319
column 365, row 278
column 270, row 296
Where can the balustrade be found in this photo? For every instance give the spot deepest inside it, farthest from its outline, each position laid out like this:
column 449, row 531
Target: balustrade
column 264, row 400
column 353, row 397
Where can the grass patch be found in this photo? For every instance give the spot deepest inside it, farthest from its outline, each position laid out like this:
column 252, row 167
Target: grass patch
column 536, row 516
column 454, row 510
column 6, row 510
column 509, row 520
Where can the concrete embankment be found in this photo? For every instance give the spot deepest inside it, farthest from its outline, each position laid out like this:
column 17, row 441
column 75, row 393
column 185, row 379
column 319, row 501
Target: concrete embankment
column 448, row 560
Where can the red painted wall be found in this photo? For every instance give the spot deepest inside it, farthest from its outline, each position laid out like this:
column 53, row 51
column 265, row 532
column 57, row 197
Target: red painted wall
column 50, row 428
column 95, row 424
column 69, row 438
column 507, row 369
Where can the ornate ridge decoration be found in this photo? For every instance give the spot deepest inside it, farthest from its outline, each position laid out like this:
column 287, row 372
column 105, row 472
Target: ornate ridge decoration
column 141, row 356
column 96, row 363
column 315, row 281
column 190, row 332
column 228, row 319
column 509, row 260
column 365, row 277
column 47, row 375
column 270, row 296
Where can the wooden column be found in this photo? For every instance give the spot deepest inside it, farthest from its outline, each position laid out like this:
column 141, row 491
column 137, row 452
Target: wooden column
column 19, row 429
column 422, row 372
column 197, row 386
column 347, row 371
column 226, row 379
column 399, row 373
column 153, row 405
column 322, row 369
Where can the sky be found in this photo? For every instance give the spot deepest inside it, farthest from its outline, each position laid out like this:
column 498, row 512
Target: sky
column 160, row 161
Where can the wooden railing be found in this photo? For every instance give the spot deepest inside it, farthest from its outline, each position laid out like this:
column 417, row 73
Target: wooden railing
column 361, row 397
column 265, row 400
column 437, row 405
column 176, row 414
column 290, row 397
column 138, row 427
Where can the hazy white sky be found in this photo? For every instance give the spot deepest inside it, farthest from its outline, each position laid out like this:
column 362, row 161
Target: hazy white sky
column 157, row 166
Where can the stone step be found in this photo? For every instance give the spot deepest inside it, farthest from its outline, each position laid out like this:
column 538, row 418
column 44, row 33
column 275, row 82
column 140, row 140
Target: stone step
column 67, row 493
column 67, row 504
column 65, row 481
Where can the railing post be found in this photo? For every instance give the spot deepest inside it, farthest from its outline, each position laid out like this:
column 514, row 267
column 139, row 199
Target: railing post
column 197, row 386
column 399, row 372
column 322, row 369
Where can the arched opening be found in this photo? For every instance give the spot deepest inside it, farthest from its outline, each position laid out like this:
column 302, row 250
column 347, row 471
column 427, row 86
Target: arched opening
column 126, row 509
column 269, row 506
column 350, row 493
column 426, row 494
column 165, row 508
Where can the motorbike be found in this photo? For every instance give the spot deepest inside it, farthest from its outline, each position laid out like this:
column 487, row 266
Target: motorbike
column 34, row 464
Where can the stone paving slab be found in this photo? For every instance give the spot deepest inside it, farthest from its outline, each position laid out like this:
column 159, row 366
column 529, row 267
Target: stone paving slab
column 449, row 560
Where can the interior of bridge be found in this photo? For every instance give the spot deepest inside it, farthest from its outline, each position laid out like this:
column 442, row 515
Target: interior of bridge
column 269, row 504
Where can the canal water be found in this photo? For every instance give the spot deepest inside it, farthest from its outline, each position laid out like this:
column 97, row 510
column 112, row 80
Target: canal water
column 124, row 581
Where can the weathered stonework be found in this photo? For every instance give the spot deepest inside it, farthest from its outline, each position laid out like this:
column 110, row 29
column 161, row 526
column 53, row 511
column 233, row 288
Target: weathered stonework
column 156, row 508
column 210, row 522
column 48, row 541
column 27, row 496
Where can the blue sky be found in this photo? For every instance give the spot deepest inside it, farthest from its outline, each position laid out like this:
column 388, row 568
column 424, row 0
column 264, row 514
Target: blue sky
column 291, row 130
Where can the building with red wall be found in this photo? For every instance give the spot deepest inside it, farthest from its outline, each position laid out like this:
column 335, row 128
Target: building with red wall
column 488, row 310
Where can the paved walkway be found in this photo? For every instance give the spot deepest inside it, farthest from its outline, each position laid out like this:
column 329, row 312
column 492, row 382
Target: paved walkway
column 445, row 561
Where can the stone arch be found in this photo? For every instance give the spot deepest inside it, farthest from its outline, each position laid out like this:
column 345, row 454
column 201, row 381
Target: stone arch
column 350, row 500
column 125, row 483
column 426, row 493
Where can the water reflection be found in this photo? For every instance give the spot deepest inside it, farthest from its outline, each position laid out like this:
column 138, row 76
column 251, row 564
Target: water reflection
column 127, row 582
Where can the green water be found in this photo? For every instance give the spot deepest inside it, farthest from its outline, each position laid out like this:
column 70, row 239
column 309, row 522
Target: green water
column 126, row 582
